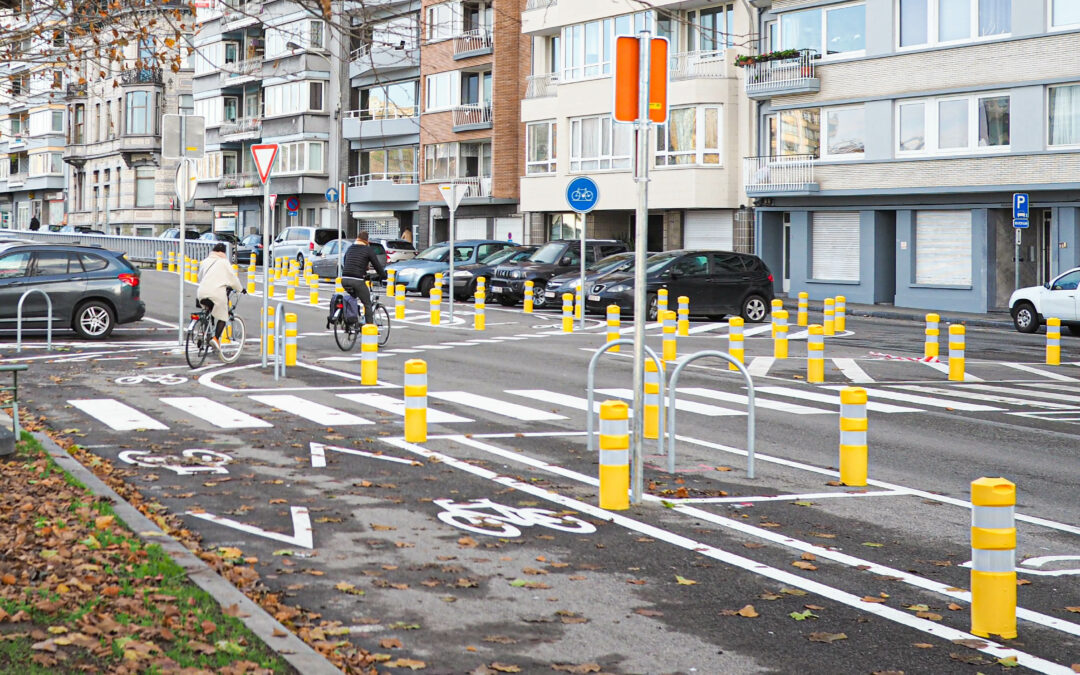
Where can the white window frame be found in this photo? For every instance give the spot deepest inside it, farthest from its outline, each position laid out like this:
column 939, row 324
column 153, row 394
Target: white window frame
column 605, row 160
column 607, row 31
column 1050, row 18
column 453, row 81
column 291, row 98
column 699, row 134
column 452, row 151
column 823, row 55
column 1058, row 146
column 295, row 158
column 40, row 164
column 933, row 18
column 823, row 145
column 547, row 165
column 442, row 21
column 931, row 120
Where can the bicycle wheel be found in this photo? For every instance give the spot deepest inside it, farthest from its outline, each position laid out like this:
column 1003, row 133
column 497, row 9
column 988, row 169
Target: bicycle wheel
column 547, row 518
column 232, row 340
column 382, row 320
column 196, row 345
column 476, row 523
column 345, row 337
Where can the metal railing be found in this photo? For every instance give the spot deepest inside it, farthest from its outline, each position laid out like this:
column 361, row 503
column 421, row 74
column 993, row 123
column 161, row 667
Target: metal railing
column 542, row 86
column 472, row 40
column 693, row 65
column 776, row 74
column 141, row 76
column 239, row 181
column 398, row 178
column 383, row 113
column 540, row 4
column 239, row 11
column 19, row 319
column 472, row 113
column 244, row 125
column 137, row 249
column 17, row 178
column 360, row 52
column 479, row 186
column 778, row 172
column 18, row 138
column 245, row 68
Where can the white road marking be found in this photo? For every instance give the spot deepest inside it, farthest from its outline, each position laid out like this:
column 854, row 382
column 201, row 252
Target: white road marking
column 511, row 337
column 116, row 415
column 315, row 412
column 433, row 347
column 786, row 498
column 1048, row 374
column 1025, row 392
column 757, row 330
column 688, row 406
column 483, row 341
column 402, row 350
column 704, row 328
column 318, row 455
column 833, row 399
column 960, row 393
column 397, row 407
column 923, row 400
column 218, row 414
column 759, row 366
column 573, row 402
column 758, row 402
column 852, row 370
column 159, row 322
column 943, row 367
column 301, row 521
column 460, row 344
column 494, row 405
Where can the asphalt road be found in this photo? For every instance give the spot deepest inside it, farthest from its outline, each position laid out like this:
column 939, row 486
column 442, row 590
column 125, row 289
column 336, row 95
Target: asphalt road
column 311, row 475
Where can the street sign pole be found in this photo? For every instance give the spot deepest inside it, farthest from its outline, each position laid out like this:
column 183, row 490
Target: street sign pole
column 180, row 323
column 263, row 330
column 183, row 137
column 1021, row 213
column 340, row 248
column 582, row 195
column 450, row 279
column 641, row 242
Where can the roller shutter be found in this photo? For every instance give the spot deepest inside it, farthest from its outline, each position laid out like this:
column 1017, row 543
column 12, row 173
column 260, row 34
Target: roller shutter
column 835, row 246
column 471, row 228
column 710, row 230
column 943, row 248
column 510, row 228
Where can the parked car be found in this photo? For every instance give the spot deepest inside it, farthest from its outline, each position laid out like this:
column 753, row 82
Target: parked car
column 325, row 261
column 398, row 250
column 250, row 244
column 466, row 276
column 568, row 282
column 79, row 229
column 174, row 233
column 555, row 257
column 300, row 242
column 228, row 237
column 717, row 283
column 92, row 289
column 418, row 274
column 1058, row 298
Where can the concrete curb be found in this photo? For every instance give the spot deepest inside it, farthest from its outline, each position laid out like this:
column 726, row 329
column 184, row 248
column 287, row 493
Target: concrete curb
column 910, row 316
column 291, row 648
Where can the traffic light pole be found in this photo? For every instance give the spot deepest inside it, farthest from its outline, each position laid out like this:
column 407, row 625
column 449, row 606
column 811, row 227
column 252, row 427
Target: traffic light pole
column 641, row 243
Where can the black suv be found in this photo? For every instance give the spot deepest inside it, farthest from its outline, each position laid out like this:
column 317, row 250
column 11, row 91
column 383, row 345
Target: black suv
column 555, row 257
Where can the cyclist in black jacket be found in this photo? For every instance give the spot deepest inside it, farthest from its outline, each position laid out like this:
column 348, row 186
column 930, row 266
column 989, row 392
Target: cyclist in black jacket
column 354, row 270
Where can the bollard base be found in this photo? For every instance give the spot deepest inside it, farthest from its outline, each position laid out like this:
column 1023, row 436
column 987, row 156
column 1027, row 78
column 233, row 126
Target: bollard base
column 854, row 461
column 415, row 425
column 615, row 488
column 993, row 604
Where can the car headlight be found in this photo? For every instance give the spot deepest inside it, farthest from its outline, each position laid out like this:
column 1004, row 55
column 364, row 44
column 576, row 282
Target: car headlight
column 621, row 288
column 516, row 274
column 574, row 284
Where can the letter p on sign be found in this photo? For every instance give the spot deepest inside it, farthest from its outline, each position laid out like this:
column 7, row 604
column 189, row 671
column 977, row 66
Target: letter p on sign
column 628, row 79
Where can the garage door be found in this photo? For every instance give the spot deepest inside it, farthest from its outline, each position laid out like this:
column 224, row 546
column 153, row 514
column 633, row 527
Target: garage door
column 708, row 230
column 471, row 228
column 835, row 246
column 943, row 248
column 512, row 229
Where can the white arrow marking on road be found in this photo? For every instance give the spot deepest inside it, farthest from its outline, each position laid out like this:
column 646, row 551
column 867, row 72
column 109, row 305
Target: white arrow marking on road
column 318, row 455
column 301, row 521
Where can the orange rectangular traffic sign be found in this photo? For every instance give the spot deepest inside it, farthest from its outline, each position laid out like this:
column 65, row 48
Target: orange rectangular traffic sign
column 628, row 78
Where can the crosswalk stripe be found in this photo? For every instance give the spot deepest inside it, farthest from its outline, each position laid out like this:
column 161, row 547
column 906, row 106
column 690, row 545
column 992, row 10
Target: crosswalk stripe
column 460, row 344
column 944, row 368
column 1048, row 374
column 923, row 400
column 397, row 407
column 704, row 328
column 833, row 399
column 402, row 350
column 309, row 410
column 852, row 370
column 688, row 406
column 218, row 414
column 756, row 330
column 960, row 393
column 758, row 402
column 116, row 415
column 1036, row 394
column 759, row 365
column 494, row 405
column 432, row 347
column 554, row 397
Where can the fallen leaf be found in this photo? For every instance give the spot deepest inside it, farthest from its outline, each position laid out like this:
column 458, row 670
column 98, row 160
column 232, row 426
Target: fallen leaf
column 808, row 556
column 505, row 667
column 768, row 595
column 1008, row 662
column 871, row 598
column 382, row 528
column 580, row 669
column 923, row 645
column 928, row 615
column 683, row 581
column 411, row 664
column 917, row 608
column 803, row 616
column 279, row 633
column 816, row 608
column 972, row 644
column 468, row 542
column 792, row 591
column 44, row 646
column 872, row 544
column 104, row 522
column 971, row 659
column 648, row 612
column 8, row 579
column 748, row 611
column 230, row 553
column 390, row 643
column 827, row 638
column 803, row 503
column 804, row 565
column 753, row 544
column 1071, row 609
column 954, row 607
column 1022, row 582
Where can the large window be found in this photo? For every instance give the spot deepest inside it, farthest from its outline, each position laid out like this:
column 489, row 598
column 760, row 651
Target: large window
column 800, row 132
column 144, row 186
column 302, row 157
column 47, row 164
column 1064, row 14
column 588, row 47
column 711, row 28
column 954, row 124
column 829, row 30
column 845, row 131
column 691, row 136
column 140, row 113
column 397, row 164
column 598, row 144
column 540, row 145
column 926, row 23
column 388, row 101
column 442, row 90
column 445, row 161
column 304, row 34
column 1064, row 123
column 294, row 98
column 440, row 161
column 443, row 21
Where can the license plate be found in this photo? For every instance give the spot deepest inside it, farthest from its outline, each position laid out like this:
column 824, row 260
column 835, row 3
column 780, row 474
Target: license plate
column 549, row 294
column 497, row 289
column 594, row 298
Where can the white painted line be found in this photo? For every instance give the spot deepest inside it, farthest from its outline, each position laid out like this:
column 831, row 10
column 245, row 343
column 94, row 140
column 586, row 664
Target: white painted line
column 402, row 350
column 757, row 330
column 943, row 367
column 432, row 347
column 343, row 359
column 116, row 415
column 688, row 406
column 315, row 412
column 301, row 521
column 397, row 407
column 512, row 337
column 1024, row 392
column 573, row 402
column 852, row 370
column 459, row 344
column 318, row 455
column 494, row 405
column 758, row 402
column 923, row 400
column 526, row 335
column 159, row 322
column 787, row 498
column 704, row 328
column 1048, row 374
column 759, row 365
column 960, row 393
column 833, row 399
column 218, row 414
column 483, row 341
column 798, row 335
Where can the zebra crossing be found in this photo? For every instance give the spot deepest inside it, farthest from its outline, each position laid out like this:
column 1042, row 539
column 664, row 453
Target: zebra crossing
column 1050, row 400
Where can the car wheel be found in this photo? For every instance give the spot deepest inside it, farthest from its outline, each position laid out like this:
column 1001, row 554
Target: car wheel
column 300, row 259
column 755, row 309
column 1025, row 318
column 540, row 300
column 425, row 286
column 654, row 307
column 93, row 320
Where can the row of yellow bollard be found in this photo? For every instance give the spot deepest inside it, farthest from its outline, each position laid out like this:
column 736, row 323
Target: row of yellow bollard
column 834, row 313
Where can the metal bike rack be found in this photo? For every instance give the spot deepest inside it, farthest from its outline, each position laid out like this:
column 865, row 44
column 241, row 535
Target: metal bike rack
column 19, row 317
column 673, row 382
column 14, row 369
column 279, row 345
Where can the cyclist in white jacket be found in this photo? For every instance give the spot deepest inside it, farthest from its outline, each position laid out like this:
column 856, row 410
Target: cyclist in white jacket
column 216, row 276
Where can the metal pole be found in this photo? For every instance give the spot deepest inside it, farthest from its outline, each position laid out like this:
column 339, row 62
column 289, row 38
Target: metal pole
column 266, row 268
column 450, row 280
column 341, row 246
column 641, row 239
column 581, row 282
column 1016, row 261
column 183, row 241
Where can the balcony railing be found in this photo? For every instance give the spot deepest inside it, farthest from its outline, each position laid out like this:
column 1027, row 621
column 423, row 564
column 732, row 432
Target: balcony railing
column 76, row 90
column 540, row 4
column 400, row 178
column 382, row 114
column 542, row 86
column 141, row 76
column 360, row 52
column 245, row 125
column 474, row 40
column 472, row 114
column 779, row 173
column 240, row 11
column 17, row 139
column 17, row 178
column 240, row 181
column 245, row 68
column 479, row 186
column 782, row 76
column 693, row 65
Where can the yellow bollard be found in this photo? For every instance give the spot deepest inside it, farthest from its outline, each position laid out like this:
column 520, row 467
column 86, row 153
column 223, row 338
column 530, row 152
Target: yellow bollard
column 269, row 346
column 579, row 303
column 172, row 261
column 481, row 285
column 956, row 353
column 369, row 354
column 930, row 345
column 236, row 270
column 993, row 558
column 815, row 353
column 313, row 290
column 829, row 324
column 777, row 305
column 614, row 456
column 670, row 341
column 567, row 313
column 399, row 301
column 684, row 316
column 290, row 339
column 251, row 283
column 270, row 290
column 841, row 314
column 391, row 280
column 651, row 423
column 1053, row 341
column 252, row 264
column 339, row 288
column 661, row 305
column 290, row 289
column 854, row 456
column 415, row 401
column 780, row 343
column 478, row 310
column 803, row 315
column 159, row 257
column 736, row 341
column 528, row 305
column 434, row 301
column 438, row 281
column 613, row 326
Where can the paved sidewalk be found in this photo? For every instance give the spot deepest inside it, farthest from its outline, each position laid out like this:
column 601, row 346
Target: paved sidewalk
column 998, row 319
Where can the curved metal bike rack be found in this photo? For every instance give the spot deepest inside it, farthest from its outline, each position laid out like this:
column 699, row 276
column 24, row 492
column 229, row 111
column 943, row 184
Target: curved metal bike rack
column 279, row 344
column 19, row 317
column 673, row 382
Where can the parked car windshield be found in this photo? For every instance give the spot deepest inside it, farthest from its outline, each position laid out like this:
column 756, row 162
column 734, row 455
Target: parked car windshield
column 436, row 253
column 659, row 260
column 548, row 253
column 612, row 263
column 500, row 256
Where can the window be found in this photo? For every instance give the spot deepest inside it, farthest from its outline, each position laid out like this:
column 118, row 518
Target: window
column 954, row 124
column 540, row 144
column 845, row 130
column 943, row 248
column 57, row 125
column 293, row 98
column 588, row 47
column 598, row 144
column 304, row 34
column 1067, row 282
column 186, row 104
column 691, row 136
column 800, row 132
column 144, row 186
column 440, row 161
column 926, row 23
column 316, row 35
column 560, row 226
column 140, row 117
column 92, row 263
column 711, row 29
column 441, row 90
column 1064, row 123
column 231, row 107
column 829, row 30
column 1064, row 13
column 400, row 32
column 14, row 265
column 53, row 263
column 47, row 164
column 388, row 101
column 300, row 157
column 443, row 21
column 692, row 266
column 390, row 163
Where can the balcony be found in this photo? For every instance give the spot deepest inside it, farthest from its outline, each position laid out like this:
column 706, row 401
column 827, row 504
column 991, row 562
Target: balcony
column 476, row 42
column 540, row 4
column 779, row 174
column 542, row 86
column 18, row 140
column 781, row 76
column 240, row 184
column 472, row 116
column 384, row 191
column 16, row 179
column 241, row 129
column 237, row 15
column 142, row 76
column 241, row 71
column 479, row 186
column 372, row 128
column 382, row 59
column 695, row 65
column 76, row 90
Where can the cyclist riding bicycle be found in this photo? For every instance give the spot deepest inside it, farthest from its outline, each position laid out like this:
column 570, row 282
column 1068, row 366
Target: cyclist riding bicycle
column 355, row 268
column 216, row 276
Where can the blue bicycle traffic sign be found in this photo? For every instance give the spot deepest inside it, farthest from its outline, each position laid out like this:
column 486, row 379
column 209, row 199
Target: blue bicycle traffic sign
column 582, row 194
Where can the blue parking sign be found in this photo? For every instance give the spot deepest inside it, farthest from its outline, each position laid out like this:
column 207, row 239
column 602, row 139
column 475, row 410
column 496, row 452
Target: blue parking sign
column 1020, row 206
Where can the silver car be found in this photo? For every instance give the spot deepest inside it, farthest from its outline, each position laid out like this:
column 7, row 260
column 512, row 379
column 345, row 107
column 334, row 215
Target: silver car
column 298, row 243
column 325, row 261
column 398, row 250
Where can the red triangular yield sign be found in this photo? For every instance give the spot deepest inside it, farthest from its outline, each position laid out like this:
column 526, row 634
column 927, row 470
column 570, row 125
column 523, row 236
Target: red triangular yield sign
column 264, row 156
column 273, row 200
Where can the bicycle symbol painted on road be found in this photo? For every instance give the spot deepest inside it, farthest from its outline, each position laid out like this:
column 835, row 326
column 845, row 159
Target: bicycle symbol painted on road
column 168, row 379
column 191, row 462
column 582, row 195
column 506, row 520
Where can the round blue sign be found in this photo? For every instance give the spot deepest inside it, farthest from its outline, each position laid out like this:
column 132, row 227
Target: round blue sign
column 292, row 204
column 582, row 194
column 331, row 195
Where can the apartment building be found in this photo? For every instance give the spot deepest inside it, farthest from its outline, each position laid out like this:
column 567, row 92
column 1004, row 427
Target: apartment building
column 695, row 193
column 473, row 64
column 268, row 71
column 892, row 135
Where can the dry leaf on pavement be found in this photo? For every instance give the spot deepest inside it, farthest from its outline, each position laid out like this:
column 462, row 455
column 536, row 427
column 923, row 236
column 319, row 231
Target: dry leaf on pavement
column 827, row 638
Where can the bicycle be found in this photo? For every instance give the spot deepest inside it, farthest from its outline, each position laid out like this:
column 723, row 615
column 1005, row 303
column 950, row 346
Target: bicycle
column 345, row 335
column 200, row 332
column 469, row 516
